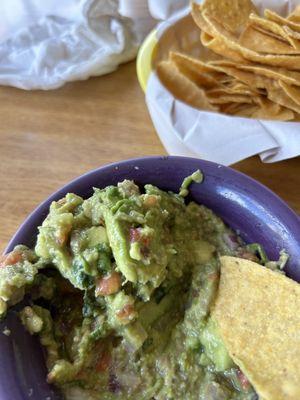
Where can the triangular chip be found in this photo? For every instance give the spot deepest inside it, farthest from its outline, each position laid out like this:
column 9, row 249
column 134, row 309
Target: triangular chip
column 275, row 28
column 246, row 111
column 267, row 32
column 290, row 77
column 295, row 15
column 270, row 110
column 235, row 108
column 273, row 16
column 261, row 42
column 196, row 70
column 268, row 105
column 289, row 61
column 230, row 98
column 257, row 312
column 284, row 114
column 292, row 33
column 252, row 80
column 232, row 14
column 238, row 88
column 181, row 87
column 199, row 20
column 281, row 97
column 292, row 91
column 218, row 45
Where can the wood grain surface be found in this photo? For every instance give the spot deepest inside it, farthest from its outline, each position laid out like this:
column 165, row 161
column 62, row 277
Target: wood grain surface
column 49, row 138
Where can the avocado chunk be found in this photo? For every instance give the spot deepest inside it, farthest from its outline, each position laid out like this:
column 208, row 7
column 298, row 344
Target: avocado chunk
column 214, row 346
column 136, row 230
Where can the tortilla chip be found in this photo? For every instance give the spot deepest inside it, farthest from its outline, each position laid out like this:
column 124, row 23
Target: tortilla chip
column 217, row 45
column 283, row 115
column 281, row 97
column 208, row 39
column 292, row 91
column 246, row 112
column 275, row 28
column 295, row 15
column 227, row 80
column 283, row 74
column 273, row 16
column 232, row 108
column 238, row 86
column 261, row 42
column 266, row 32
column 252, row 80
column 199, row 20
column 232, row 14
column 181, row 87
column 241, row 87
column 269, row 110
column 293, row 34
column 196, row 70
column 268, row 106
column 207, row 76
column 229, row 98
column 257, row 312
column 297, row 117
column 234, row 90
column 289, row 61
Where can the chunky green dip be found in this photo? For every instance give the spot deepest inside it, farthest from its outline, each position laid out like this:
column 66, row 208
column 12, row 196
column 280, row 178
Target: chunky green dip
column 119, row 290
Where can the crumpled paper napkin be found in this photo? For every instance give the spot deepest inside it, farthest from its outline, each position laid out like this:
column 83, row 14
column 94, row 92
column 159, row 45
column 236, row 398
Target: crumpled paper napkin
column 44, row 44
column 224, row 139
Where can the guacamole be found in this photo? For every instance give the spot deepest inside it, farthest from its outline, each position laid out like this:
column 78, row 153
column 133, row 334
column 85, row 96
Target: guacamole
column 119, row 289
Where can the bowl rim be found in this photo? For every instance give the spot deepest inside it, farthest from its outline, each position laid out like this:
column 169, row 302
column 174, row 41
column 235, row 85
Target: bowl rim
column 144, row 59
column 44, row 205
column 148, row 47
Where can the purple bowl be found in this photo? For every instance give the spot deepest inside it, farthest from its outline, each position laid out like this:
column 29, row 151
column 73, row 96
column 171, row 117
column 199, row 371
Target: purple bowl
column 244, row 204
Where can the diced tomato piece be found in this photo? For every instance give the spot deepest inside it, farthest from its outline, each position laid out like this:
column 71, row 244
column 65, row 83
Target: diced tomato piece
column 135, row 234
column 11, row 258
column 145, row 240
column 110, row 284
column 103, row 362
column 243, row 380
column 150, row 200
column 127, row 313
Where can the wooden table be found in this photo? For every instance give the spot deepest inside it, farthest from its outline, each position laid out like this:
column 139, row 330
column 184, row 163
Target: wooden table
column 48, row 138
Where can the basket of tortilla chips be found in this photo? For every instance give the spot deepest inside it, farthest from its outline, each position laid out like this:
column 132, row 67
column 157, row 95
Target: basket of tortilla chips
column 225, row 80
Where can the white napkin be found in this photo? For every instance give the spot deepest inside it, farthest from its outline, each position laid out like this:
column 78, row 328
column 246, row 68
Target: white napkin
column 185, row 130
column 44, row 44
